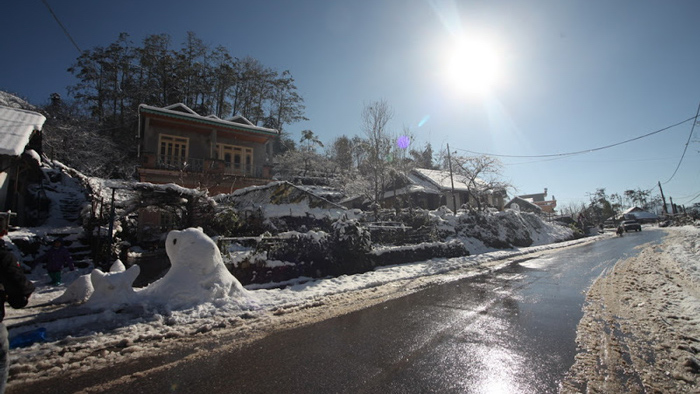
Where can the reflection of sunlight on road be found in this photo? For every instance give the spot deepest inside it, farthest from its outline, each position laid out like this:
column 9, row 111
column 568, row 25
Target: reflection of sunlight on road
column 499, row 374
column 510, row 276
column 538, row 263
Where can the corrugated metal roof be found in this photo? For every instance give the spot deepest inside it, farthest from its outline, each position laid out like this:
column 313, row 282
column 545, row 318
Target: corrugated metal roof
column 181, row 111
column 16, row 127
column 441, row 179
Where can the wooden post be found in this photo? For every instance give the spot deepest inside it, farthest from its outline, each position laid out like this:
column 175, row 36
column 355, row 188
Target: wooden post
column 454, row 198
column 663, row 199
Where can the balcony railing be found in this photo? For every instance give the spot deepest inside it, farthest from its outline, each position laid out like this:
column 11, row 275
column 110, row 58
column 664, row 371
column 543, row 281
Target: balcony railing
column 177, row 163
column 195, row 165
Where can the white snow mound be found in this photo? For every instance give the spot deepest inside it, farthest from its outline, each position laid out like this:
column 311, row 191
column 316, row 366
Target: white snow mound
column 197, row 273
column 113, row 289
column 77, row 292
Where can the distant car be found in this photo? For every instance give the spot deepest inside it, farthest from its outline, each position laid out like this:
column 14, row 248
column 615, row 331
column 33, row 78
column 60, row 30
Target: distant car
column 630, row 225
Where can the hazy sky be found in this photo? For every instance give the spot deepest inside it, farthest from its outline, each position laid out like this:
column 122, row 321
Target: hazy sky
column 564, row 76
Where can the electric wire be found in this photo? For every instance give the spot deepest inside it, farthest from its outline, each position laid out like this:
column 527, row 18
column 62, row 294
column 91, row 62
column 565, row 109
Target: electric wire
column 65, row 31
column 692, row 129
column 586, row 150
column 694, row 198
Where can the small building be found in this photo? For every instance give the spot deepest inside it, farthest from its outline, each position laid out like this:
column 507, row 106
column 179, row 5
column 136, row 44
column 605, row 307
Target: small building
column 636, row 213
column 20, row 149
column 280, row 198
column 177, row 145
column 431, row 189
column 540, row 199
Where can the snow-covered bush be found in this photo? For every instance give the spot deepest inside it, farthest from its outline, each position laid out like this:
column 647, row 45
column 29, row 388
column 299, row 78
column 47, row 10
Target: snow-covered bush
column 420, row 252
column 499, row 230
column 350, row 243
column 309, row 251
column 227, row 222
column 349, row 235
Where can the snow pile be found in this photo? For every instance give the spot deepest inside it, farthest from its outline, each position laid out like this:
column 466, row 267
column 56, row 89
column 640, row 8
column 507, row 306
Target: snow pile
column 641, row 323
column 78, row 291
column 113, row 290
column 197, row 274
column 483, row 231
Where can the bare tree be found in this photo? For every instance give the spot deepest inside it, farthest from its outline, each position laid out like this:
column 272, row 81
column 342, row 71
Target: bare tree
column 481, row 174
column 375, row 117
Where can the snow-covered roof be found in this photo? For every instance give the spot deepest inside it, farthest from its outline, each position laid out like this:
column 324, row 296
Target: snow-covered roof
column 182, row 111
column 240, row 119
column 16, row 127
column 180, row 107
column 275, row 193
column 12, row 101
column 631, row 209
column 441, row 179
column 523, row 204
column 416, row 184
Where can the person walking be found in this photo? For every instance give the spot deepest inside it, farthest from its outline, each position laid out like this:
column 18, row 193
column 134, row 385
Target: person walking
column 56, row 258
column 15, row 288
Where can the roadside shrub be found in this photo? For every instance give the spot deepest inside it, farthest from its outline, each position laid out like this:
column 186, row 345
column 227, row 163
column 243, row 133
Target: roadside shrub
column 227, row 222
column 421, row 252
column 350, row 243
column 307, row 250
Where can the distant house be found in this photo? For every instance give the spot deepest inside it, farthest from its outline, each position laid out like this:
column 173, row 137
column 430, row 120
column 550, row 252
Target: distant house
column 179, row 146
column 522, row 205
column 431, row 189
column 20, row 147
column 636, row 213
column 540, row 199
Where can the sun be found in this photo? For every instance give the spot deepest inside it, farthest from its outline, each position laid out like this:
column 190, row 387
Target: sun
column 473, row 67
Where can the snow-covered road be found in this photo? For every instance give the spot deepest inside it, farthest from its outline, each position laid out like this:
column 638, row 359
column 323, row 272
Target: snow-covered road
column 100, row 341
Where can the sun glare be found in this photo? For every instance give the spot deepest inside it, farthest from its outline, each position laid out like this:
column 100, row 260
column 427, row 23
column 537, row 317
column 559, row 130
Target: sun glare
column 473, row 68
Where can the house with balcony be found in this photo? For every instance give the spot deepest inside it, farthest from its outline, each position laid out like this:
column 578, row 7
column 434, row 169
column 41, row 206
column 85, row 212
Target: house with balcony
column 540, row 199
column 177, row 145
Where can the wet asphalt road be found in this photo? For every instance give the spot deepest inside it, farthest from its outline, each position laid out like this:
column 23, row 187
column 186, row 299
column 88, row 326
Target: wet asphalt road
column 511, row 331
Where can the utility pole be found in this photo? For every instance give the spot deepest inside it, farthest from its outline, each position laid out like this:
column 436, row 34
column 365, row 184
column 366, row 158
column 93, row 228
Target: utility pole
column 673, row 207
column 454, row 199
column 663, row 199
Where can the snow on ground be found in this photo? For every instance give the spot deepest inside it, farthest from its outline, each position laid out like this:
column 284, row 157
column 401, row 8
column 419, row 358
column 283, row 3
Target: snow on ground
column 197, row 295
column 641, row 326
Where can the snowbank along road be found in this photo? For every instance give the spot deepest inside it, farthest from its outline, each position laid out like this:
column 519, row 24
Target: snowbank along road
column 641, row 327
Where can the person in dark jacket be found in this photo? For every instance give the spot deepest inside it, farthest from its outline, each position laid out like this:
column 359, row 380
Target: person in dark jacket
column 15, row 288
column 56, row 258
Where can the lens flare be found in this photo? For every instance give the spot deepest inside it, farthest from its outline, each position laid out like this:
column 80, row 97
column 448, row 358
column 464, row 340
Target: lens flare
column 423, row 121
column 403, row 142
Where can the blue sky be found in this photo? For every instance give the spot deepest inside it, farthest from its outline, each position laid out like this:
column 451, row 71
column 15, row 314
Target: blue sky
column 572, row 75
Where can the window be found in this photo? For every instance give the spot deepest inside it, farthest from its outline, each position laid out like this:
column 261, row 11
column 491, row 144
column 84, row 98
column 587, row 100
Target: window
column 172, row 150
column 238, row 159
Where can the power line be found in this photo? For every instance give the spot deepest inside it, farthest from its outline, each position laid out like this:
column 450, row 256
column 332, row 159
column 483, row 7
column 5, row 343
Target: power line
column 65, row 31
column 686, row 146
column 587, row 150
column 694, row 198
